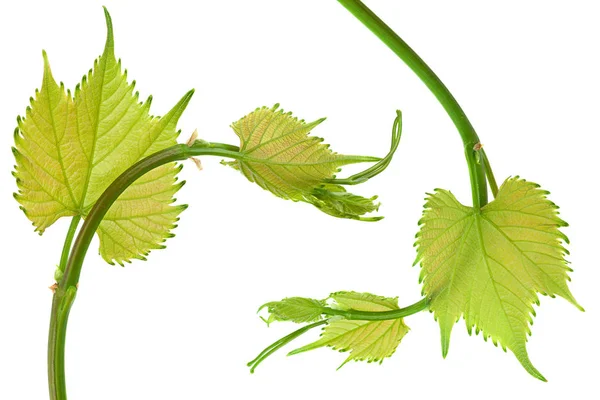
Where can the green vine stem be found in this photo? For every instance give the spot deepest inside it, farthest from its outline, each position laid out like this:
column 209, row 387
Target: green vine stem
column 469, row 137
column 177, row 152
column 65, row 292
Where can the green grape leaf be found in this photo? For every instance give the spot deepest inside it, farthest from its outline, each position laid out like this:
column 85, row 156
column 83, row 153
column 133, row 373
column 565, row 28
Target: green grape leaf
column 68, row 149
column 281, row 157
column 294, row 309
column 365, row 340
column 488, row 266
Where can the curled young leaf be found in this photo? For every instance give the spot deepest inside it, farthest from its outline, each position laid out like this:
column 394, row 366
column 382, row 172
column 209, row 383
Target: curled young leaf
column 280, row 156
column 294, row 309
column 488, row 266
column 336, row 201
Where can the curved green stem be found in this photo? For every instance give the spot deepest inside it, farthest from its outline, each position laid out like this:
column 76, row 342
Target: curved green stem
column 280, row 343
column 436, row 86
column 56, row 337
column 61, row 305
column 177, row 152
column 419, row 306
column 65, row 293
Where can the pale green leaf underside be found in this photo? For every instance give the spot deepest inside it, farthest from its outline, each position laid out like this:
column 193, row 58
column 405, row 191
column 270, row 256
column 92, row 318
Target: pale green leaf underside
column 281, row 157
column 489, row 266
column 289, row 161
column 365, row 340
column 70, row 148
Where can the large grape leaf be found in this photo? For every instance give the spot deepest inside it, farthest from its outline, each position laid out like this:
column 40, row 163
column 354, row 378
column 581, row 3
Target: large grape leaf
column 488, row 266
column 68, row 149
column 281, row 157
column 365, row 340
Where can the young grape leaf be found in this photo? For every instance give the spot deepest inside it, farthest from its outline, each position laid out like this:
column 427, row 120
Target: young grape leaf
column 488, row 266
column 366, row 340
column 281, row 157
column 68, row 149
column 336, row 201
column 294, row 309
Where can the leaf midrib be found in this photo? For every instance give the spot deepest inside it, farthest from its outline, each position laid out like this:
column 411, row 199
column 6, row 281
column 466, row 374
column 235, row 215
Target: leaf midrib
column 103, row 62
column 58, row 150
column 485, row 257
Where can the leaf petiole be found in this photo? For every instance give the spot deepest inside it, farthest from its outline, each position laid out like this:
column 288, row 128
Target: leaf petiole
column 489, row 174
column 419, row 306
column 64, row 257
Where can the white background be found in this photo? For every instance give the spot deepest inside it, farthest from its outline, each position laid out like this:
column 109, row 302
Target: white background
column 183, row 324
